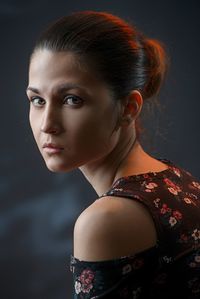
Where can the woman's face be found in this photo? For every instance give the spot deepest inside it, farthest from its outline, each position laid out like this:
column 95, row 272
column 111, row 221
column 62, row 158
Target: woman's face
column 72, row 114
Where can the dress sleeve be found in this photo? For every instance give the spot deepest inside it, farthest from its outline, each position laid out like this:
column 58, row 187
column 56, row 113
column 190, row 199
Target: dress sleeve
column 116, row 278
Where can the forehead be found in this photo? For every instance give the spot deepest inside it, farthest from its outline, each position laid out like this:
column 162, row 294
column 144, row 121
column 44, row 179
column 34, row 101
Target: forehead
column 55, row 64
column 49, row 69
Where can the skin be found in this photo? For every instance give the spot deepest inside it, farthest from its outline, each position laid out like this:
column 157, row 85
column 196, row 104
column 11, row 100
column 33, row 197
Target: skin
column 97, row 134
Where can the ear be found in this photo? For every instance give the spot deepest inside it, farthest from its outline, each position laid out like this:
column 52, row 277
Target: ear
column 132, row 107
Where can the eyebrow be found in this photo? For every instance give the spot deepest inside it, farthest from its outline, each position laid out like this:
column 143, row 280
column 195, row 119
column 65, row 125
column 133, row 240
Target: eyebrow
column 60, row 88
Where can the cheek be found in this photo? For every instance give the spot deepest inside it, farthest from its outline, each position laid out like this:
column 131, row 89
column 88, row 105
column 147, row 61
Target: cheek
column 93, row 134
column 34, row 124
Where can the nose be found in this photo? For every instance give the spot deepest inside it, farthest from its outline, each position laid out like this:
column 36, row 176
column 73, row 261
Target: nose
column 51, row 122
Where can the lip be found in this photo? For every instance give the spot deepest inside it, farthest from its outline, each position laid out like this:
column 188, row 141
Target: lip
column 52, row 148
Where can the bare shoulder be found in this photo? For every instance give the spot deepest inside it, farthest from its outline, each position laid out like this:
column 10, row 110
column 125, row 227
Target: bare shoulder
column 112, row 227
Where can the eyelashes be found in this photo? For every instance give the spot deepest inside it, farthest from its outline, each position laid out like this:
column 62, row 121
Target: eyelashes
column 75, row 100
column 37, row 101
column 70, row 100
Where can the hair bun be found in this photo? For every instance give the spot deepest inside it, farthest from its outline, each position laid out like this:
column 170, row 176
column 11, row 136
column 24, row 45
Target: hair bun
column 156, row 66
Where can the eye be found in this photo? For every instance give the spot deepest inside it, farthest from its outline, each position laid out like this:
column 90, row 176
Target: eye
column 73, row 100
column 37, row 101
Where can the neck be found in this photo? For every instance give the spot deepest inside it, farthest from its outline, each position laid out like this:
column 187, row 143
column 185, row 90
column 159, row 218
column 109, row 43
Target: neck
column 122, row 160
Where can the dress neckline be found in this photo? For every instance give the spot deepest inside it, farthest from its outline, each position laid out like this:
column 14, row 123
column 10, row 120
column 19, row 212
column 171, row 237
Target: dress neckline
column 171, row 168
column 168, row 163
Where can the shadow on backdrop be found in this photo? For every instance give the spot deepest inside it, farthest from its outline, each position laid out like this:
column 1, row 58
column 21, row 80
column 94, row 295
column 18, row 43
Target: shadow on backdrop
column 39, row 208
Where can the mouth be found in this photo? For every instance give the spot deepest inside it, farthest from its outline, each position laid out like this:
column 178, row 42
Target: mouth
column 52, row 148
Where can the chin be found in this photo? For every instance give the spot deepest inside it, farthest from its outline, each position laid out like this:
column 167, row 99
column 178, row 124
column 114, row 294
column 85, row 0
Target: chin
column 58, row 168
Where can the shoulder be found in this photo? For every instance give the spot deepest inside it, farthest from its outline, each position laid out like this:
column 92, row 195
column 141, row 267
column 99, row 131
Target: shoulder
column 112, row 227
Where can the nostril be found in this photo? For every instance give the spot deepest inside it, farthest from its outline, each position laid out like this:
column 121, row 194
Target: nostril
column 52, row 130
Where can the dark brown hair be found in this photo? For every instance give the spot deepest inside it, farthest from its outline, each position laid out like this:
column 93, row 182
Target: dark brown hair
column 122, row 56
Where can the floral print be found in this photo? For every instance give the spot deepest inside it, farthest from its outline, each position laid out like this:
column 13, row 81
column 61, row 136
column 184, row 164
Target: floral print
column 84, row 281
column 173, row 188
column 127, row 268
column 196, row 234
column 172, row 197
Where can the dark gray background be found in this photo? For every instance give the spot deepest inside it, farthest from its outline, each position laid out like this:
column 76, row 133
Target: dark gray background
column 39, row 208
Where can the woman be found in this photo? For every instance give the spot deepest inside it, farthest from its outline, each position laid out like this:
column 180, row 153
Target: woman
column 90, row 74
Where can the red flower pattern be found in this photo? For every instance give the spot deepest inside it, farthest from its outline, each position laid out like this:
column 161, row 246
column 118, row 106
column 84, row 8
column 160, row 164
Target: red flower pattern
column 171, row 210
column 86, row 276
column 177, row 215
column 165, row 209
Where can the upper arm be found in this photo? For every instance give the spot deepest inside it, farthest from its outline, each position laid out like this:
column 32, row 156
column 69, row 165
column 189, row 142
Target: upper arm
column 94, row 234
column 111, row 228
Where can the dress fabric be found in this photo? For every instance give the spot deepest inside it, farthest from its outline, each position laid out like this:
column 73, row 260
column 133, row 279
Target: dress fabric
column 170, row 269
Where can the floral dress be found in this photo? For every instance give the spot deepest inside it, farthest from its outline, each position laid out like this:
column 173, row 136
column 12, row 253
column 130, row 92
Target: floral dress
column 170, row 269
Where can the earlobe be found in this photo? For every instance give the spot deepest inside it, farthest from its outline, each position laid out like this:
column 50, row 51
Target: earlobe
column 126, row 120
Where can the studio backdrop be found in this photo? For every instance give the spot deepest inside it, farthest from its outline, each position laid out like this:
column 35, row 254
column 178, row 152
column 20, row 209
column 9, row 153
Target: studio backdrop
column 39, row 208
